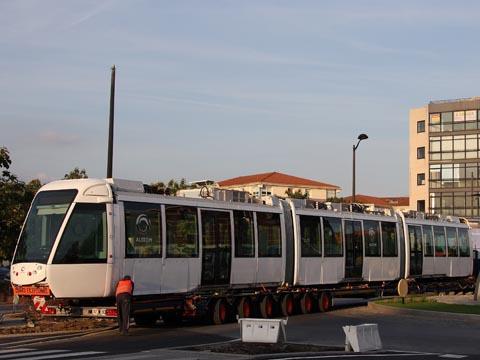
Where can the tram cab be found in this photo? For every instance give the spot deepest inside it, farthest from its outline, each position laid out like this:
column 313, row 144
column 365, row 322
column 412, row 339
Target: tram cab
column 66, row 241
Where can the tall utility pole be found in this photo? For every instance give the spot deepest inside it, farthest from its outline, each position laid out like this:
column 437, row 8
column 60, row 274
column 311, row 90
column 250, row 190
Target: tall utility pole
column 110, row 125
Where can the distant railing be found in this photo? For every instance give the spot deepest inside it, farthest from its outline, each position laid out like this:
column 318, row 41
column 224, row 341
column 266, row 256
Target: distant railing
column 436, row 102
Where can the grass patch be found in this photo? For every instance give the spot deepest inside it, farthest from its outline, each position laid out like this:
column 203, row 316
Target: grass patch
column 423, row 303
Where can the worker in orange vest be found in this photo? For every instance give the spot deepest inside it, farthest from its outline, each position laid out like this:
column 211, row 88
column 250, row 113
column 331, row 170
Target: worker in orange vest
column 123, row 295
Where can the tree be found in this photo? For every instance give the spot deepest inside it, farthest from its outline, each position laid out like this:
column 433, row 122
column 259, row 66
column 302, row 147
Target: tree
column 297, row 194
column 76, row 174
column 336, row 200
column 172, row 186
column 15, row 199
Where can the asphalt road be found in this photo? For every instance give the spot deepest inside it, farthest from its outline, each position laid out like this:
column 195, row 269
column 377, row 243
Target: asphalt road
column 430, row 334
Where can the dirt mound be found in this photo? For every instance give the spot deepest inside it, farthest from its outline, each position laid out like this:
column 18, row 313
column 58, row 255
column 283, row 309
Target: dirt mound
column 238, row 347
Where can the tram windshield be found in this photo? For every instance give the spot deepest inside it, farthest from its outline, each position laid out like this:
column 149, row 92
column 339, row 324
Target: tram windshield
column 43, row 223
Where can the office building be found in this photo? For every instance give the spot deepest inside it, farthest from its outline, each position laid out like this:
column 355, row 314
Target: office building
column 444, row 158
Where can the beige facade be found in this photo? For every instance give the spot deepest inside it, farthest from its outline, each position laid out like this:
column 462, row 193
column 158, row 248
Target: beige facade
column 418, row 191
column 444, row 158
column 281, row 190
column 279, row 184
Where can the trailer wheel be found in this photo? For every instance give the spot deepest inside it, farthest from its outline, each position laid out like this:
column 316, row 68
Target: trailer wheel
column 306, row 304
column 244, row 308
column 146, row 320
column 220, row 312
column 287, row 305
column 324, row 302
column 266, row 307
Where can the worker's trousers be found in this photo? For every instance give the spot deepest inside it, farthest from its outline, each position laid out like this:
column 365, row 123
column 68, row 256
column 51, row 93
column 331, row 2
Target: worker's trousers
column 124, row 301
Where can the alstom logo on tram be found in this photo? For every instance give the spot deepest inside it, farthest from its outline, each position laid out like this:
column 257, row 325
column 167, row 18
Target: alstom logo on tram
column 194, row 256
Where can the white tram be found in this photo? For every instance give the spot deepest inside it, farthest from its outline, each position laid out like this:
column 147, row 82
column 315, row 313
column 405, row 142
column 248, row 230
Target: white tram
column 193, row 256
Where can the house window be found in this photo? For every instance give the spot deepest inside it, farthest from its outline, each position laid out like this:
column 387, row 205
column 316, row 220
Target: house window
column 421, row 179
column 421, row 205
column 421, row 126
column 421, row 152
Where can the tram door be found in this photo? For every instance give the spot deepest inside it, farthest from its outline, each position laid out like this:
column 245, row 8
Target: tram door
column 416, row 249
column 217, row 247
column 353, row 249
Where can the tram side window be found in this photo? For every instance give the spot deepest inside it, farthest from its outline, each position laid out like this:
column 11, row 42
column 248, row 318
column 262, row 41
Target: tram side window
column 440, row 241
column 310, row 235
column 452, row 244
column 371, row 234
column 428, row 241
column 389, row 239
column 269, row 235
column 182, row 231
column 463, row 242
column 85, row 237
column 143, row 229
column 332, row 237
column 244, row 239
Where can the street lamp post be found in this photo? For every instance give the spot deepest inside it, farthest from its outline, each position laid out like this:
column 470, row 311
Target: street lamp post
column 476, row 292
column 360, row 138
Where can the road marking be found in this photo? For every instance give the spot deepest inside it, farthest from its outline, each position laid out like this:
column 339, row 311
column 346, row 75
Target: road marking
column 453, row 356
column 14, row 350
column 352, row 355
column 64, row 355
column 19, row 354
column 40, row 339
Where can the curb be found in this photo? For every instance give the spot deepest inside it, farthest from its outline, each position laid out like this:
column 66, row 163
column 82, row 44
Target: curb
column 444, row 314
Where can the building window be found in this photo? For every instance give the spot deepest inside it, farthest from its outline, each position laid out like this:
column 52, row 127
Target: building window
column 331, row 194
column 454, row 121
column 434, row 122
column 421, row 126
column 457, row 203
column 421, row 205
column 454, row 147
column 421, row 179
column 421, row 152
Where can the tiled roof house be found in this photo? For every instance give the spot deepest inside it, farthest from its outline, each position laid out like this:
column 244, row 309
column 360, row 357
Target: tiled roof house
column 277, row 183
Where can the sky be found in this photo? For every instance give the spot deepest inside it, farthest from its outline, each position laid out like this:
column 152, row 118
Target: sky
column 219, row 89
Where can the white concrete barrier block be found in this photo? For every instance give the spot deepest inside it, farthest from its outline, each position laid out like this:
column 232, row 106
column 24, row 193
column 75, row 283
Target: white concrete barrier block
column 363, row 337
column 262, row 330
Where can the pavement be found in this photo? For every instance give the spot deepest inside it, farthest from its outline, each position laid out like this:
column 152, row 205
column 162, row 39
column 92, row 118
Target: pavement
column 9, row 318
